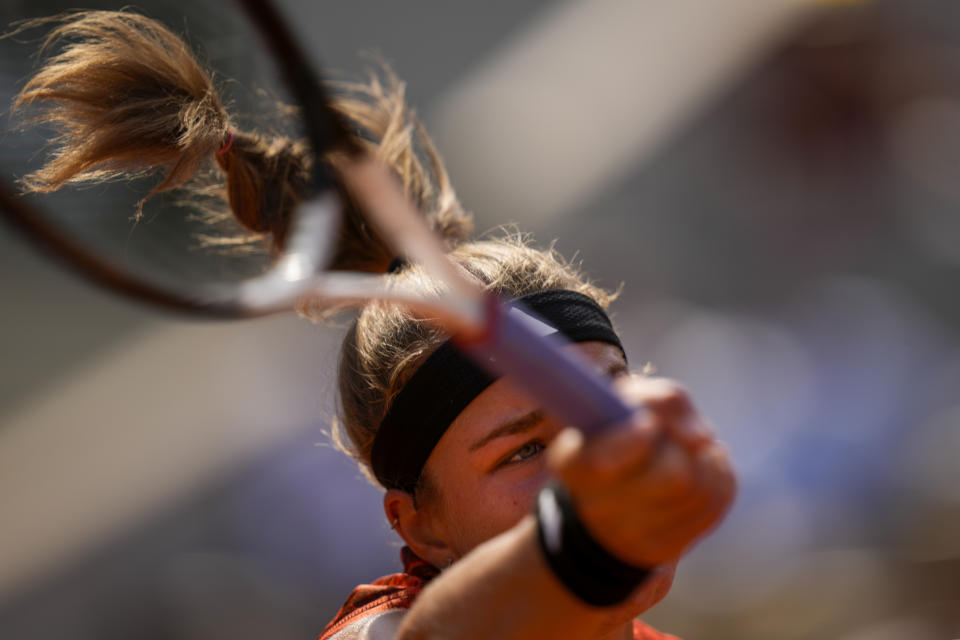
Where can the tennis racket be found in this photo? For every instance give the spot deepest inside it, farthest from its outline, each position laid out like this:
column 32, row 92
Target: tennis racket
column 498, row 336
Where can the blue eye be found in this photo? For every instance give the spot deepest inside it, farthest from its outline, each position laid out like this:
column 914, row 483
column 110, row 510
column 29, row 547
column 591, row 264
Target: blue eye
column 525, row 452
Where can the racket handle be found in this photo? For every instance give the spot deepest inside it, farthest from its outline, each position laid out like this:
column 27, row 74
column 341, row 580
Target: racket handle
column 515, row 345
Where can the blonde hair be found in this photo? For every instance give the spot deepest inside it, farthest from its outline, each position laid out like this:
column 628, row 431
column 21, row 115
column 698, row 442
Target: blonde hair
column 129, row 98
column 385, row 345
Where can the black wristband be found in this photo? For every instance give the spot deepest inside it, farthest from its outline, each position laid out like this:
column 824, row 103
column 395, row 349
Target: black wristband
column 584, row 567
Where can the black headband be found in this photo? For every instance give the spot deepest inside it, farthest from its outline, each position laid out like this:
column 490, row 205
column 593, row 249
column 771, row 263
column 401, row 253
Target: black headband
column 448, row 381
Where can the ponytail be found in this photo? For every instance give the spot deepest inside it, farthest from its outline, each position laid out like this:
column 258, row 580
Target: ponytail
column 128, row 98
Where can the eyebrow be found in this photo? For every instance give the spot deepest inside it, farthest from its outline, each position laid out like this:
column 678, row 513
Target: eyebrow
column 529, row 420
column 524, row 423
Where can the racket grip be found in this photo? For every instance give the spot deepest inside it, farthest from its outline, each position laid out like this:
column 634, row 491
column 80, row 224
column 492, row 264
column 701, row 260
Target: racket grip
column 561, row 380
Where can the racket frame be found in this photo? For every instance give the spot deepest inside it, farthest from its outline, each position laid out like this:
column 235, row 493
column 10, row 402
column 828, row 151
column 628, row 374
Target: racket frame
column 481, row 325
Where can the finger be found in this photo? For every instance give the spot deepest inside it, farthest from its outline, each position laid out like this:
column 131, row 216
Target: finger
column 657, row 513
column 677, row 478
column 680, row 523
column 693, row 432
column 716, row 471
column 669, row 476
column 670, row 403
column 668, row 530
column 604, row 459
column 666, row 485
column 645, row 535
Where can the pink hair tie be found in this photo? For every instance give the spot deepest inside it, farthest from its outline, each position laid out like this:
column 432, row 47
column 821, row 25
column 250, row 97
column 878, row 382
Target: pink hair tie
column 226, row 145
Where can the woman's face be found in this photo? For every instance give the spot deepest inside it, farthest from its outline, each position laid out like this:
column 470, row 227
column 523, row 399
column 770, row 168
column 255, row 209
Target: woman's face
column 489, row 465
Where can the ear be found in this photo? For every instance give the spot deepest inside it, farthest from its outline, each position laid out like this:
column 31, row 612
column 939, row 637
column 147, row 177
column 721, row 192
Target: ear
column 419, row 528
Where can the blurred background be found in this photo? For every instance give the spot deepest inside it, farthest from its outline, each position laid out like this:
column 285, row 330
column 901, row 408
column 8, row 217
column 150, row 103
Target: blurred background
column 776, row 185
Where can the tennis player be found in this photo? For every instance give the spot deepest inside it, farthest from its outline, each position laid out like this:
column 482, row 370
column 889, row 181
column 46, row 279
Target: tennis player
column 514, row 525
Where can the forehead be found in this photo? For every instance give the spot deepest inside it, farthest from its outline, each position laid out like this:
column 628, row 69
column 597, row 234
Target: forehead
column 503, row 401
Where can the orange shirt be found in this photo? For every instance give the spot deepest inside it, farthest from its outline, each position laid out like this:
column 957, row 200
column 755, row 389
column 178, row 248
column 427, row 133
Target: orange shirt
column 398, row 591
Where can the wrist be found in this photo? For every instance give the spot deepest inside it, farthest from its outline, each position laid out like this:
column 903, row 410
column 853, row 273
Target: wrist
column 584, row 567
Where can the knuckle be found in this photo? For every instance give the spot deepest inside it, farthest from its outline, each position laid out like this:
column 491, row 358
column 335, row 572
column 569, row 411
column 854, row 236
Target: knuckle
column 715, row 458
column 728, row 489
column 669, row 397
column 717, row 471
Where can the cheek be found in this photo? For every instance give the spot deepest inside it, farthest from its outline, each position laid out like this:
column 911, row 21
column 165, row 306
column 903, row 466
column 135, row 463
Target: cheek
column 490, row 506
